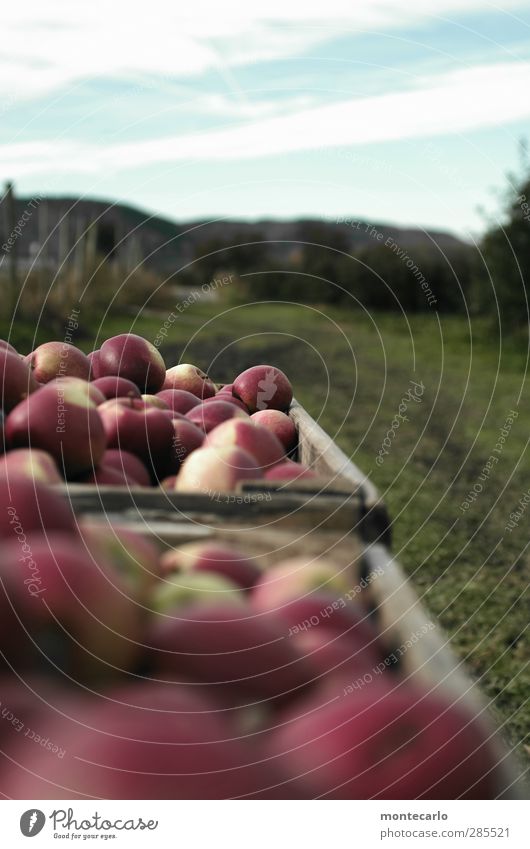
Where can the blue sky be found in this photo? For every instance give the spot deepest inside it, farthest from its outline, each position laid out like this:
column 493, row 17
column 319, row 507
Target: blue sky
column 400, row 112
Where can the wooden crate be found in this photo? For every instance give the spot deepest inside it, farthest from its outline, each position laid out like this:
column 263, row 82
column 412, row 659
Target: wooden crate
column 340, row 497
column 382, row 588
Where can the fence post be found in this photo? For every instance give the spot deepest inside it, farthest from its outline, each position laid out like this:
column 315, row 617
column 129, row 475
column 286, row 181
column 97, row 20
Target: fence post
column 11, row 223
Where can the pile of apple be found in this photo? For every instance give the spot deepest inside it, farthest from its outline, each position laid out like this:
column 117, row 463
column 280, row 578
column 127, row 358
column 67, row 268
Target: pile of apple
column 117, row 417
column 199, row 672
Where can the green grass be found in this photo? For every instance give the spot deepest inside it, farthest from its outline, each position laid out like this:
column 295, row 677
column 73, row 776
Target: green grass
column 351, row 372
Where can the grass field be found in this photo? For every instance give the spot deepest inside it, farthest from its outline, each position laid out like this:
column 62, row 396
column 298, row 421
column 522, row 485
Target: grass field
column 352, row 372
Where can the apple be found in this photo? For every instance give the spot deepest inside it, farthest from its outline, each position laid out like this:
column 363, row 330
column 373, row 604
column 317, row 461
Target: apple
column 208, row 416
column 145, row 431
column 31, row 463
column 17, row 381
column 187, row 437
column 280, row 425
column 243, row 433
column 289, row 471
column 169, row 483
column 147, row 741
column 134, row 358
column 296, row 578
column 107, row 476
column 216, row 470
column 384, row 743
column 227, row 399
column 263, row 388
column 181, row 590
column 6, row 346
column 323, row 611
column 62, row 419
column 58, row 359
column 93, row 359
column 179, row 400
column 339, row 661
column 227, row 645
column 155, row 401
column 76, row 608
column 134, row 556
column 211, row 557
column 348, row 628
column 116, row 387
column 27, row 505
column 82, row 386
column 127, row 463
column 31, row 699
column 191, row 379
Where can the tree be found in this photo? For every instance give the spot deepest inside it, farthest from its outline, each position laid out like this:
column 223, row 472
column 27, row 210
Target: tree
column 505, row 275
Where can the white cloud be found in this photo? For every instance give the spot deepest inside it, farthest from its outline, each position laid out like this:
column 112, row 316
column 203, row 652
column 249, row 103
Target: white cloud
column 451, row 103
column 48, row 46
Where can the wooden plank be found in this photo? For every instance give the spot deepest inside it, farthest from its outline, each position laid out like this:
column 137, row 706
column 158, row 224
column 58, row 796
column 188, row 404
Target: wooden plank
column 430, row 660
column 341, row 512
column 317, row 450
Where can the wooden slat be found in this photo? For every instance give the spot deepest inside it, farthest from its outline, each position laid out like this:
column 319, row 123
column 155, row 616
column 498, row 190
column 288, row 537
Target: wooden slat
column 317, row 450
column 344, row 512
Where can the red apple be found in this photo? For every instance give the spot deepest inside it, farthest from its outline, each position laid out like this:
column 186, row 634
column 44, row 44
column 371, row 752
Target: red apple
column 145, row 431
column 83, row 386
column 31, row 463
column 179, row 400
column 116, row 387
column 182, row 589
column 75, row 606
column 212, row 557
column 26, row 505
column 128, row 464
column 289, row 471
column 134, row 358
column 384, row 743
column 169, row 484
column 62, row 419
column 227, row 645
column 216, row 470
column 134, row 556
column 58, row 359
column 347, row 625
column 280, row 424
column 263, row 388
column 148, row 741
column 6, row 346
column 93, row 359
column 187, row 437
column 339, row 660
column 208, row 416
column 227, row 399
column 155, row 401
column 107, row 476
column 296, row 578
column 243, row 433
column 191, row 379
column 16, row 380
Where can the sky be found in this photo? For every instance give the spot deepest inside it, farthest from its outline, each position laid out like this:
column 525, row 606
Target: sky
column 404, row 112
